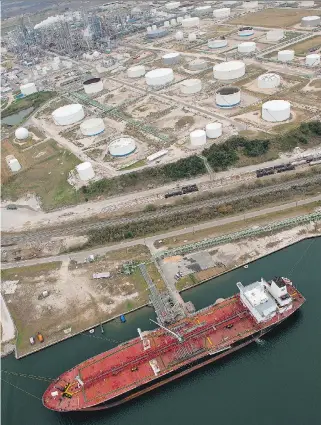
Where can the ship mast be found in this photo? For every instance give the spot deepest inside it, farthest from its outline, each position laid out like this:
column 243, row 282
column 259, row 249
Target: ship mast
column 180, row 338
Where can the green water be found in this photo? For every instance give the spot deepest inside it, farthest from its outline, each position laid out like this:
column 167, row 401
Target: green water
column 18, row 117
column 276, row 381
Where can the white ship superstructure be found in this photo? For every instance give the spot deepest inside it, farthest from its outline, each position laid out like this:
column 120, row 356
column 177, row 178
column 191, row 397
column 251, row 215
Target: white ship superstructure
column 265, row 299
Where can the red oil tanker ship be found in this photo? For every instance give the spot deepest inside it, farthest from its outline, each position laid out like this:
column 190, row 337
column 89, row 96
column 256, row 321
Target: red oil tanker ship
column 160, row 356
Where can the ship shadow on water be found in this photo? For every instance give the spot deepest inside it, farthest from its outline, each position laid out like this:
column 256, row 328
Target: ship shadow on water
column 268, row 341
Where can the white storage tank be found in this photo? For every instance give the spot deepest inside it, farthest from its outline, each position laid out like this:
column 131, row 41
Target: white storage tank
column 228, row 97
column 21, row 133
column 250, row 4
column 166, row 24
column 311, row 21
column 229, row 70
column 179, row 19
column 13, row 163
column 246, row 47
column 172, row 5
column 159, row 77
column 190, row 22
column 198, row 138
column 92, row 126
column 285, row 55
column 154, row 27
column 268, row 81
column 27, row 89
column 68, row 114
column 197, row 65
column 202, row 10
column 122, row 147
column 312, row 60
column 222, row 13
column 173, row 22
column 171, row 58
column 191, row 86
column 214, row 130
column 245, row 31
column 149, row 29
column 275, row 35
column 179, row 35
column 307, row 3
column 192, row 36
column 136, row 71
column 93, row 85
column 85, row 171
column 217, row 43
column 276, row 110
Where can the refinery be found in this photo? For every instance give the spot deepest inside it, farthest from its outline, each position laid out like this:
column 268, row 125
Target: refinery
column 148, row 147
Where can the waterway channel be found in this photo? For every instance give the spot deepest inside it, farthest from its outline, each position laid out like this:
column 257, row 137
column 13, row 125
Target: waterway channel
column 15, row 119
column 276, row 381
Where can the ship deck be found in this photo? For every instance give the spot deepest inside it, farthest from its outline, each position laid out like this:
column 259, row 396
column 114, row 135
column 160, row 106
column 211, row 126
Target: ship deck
column 128, row 366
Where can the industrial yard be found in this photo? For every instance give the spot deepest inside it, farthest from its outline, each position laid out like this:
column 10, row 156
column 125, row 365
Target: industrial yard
column 124, row 120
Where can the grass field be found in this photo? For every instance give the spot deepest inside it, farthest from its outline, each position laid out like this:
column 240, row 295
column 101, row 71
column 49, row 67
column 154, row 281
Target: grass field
column 45, row 170
column 274, row 17
column 304, row 46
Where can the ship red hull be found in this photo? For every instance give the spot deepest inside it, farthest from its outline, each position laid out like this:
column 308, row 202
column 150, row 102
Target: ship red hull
column 133, row 369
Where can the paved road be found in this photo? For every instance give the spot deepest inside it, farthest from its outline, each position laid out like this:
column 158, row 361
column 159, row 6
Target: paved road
column 149, row 241
column 84, row 228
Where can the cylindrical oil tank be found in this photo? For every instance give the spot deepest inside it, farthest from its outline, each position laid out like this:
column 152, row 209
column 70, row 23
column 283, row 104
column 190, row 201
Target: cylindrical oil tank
column 198, row 138
column 191, row 86
column 68, row 114
column 311, row 21
column 93, row 85
column 167, row 24
column 172, row 5
column 136, row 71
column 92, row 127
column 191, row 22
column 245, row 31
column 149, row 29
column 307, row 3
column 268, row 81
column 214, row 130
column 159, row 77
column 85, row 171
column 179, row 19
column 275, row 35
column 122, row 147
column 157, row 33
column 192, row 36
column 217, row 43
column 276, row 110
column 171, row 58
column 202, row 10
column 250, row 4
column 13, row 163
column 154, row 27
column 27, row 89
column 285, row 55
column 179, row 35
column 228, row 97
column 222, row 13
column 246, row 47
column 21, row 133
column 173, row 22
column 229, row 70
column 197, row 65
column 312, row 60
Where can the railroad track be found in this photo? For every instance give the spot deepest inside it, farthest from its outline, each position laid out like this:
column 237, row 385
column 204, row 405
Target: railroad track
column 83, row 228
